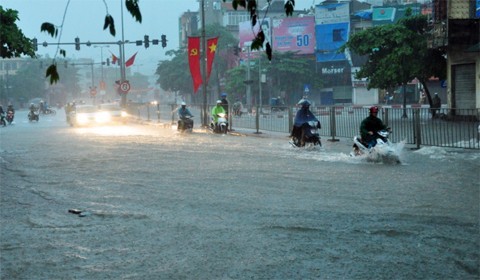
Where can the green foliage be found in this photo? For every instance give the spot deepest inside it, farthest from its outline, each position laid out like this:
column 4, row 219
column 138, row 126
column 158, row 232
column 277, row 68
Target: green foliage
column 13, row 42
column 287, row 72
column 397, row 53
column 174, row 74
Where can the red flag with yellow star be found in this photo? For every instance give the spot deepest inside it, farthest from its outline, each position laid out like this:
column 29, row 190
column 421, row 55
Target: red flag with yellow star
column 194, row 61
column 211, row 50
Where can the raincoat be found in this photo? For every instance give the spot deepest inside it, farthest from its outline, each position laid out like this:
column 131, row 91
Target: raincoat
column 218, row 109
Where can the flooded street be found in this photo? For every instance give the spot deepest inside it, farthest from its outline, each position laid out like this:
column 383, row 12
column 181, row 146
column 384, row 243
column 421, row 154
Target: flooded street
column 159, row 205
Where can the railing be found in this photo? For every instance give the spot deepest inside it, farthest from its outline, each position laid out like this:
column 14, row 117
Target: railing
column 456, row 128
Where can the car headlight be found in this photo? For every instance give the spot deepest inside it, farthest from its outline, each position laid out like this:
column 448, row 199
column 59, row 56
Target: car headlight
column 124, row 114
column 102, row 117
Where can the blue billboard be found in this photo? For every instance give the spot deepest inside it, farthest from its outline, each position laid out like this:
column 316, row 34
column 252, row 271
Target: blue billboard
column 330, row 37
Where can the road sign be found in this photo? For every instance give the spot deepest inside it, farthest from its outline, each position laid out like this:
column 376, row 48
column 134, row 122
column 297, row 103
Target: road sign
column 93, row 92
column 125, row 87
column 306, row 88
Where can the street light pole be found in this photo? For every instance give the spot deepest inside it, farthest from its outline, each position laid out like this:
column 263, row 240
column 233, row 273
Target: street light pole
column 123, row 75
column 204, row 66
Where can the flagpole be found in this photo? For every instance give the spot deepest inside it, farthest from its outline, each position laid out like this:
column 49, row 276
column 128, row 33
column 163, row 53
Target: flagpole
column 204, row 68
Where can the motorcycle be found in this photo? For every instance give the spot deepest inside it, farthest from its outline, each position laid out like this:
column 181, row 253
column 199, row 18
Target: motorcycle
column 306, row 135
column 185, row 124
column 221, row 126
column 49, row 111
column 382, row 151
column 33, row 116
column 3, row 122
column 10, row 116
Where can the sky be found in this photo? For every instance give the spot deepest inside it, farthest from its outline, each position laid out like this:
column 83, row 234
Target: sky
column 85, row 18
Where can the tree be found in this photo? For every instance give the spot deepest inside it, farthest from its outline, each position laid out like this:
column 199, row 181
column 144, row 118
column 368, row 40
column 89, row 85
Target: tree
column 287, row 72
column 14, row 43
column 397, row 53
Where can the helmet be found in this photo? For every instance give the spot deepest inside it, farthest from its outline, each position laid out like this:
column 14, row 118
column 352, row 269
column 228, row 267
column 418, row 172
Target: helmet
column 183, row 104
column 223, row 95
column 219, row 101
column 373, row 109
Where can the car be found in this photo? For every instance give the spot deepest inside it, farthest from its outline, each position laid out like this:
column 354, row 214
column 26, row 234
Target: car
column 112, row 113
column 84, row 115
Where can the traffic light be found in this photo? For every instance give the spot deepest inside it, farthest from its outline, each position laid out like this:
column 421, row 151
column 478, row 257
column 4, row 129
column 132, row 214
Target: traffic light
column 146, row 41
column 77, row 44
column 164, row 41
column 34, row 43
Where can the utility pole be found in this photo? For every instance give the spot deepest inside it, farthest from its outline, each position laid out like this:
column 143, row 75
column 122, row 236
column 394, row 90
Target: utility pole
column 123, row 76
column 204, row 68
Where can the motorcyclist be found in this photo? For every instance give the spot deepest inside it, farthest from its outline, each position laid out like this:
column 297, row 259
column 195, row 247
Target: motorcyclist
column 369, row 127
column 303, row 116
column 2, row 117
column 183, row 114
column 224, row 102
column 12, row 115
column 42, row 107
column 216, row 110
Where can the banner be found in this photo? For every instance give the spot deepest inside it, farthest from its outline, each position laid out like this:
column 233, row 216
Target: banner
column 114, row 58
column 211, row 50
column 194, row 61
column 130, row 61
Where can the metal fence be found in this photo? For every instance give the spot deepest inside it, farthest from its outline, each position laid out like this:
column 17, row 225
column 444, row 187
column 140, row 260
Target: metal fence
column 456, row 128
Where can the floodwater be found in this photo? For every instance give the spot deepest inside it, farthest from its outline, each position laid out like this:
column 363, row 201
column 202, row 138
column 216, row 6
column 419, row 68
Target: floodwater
column 160, row 205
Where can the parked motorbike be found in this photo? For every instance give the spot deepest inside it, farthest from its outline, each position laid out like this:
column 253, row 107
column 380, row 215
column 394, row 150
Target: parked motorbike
column 33, row 116
column 49, row 111
column 185, row 124
column 306, row 135
column 383, row 150
column 221, row 126
column 10, row 116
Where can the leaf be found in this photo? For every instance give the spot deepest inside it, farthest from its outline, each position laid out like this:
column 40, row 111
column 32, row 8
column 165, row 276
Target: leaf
column 109, row 22
column 268, row 51
column 49, row 28
column 134, row 9
column 289, row 7
column 52, row 72
column 63, row 53
column 254, row 20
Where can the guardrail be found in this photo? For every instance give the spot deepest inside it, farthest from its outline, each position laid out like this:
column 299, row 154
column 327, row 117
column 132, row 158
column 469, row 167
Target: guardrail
column 456, row 128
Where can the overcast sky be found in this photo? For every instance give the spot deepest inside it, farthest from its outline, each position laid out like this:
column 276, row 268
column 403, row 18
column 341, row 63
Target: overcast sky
column 85, row 19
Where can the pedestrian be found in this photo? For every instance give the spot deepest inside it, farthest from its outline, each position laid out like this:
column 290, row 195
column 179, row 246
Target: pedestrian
column 224, row 102
column 422, row 97
column 436, row 104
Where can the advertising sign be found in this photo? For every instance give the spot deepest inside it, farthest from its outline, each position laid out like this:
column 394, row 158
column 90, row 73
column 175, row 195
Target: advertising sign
column 294, row 34
column 332, row 13
column 247, row 33
column 330, row 37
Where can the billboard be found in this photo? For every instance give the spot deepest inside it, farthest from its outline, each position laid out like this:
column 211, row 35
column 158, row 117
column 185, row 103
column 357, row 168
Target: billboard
column 330, row 37
column 247, row 32
column 294, row 34
column 332, row 13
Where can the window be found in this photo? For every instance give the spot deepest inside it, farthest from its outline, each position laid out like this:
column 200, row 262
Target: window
column 337, row 35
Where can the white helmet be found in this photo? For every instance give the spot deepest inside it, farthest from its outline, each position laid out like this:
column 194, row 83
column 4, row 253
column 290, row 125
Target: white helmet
column 183, row 103
column 219, row 101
